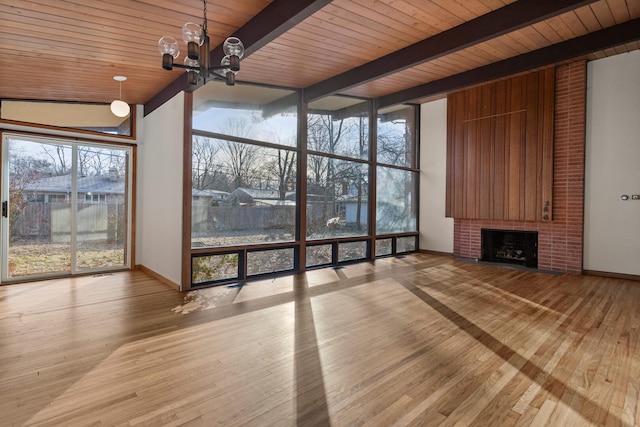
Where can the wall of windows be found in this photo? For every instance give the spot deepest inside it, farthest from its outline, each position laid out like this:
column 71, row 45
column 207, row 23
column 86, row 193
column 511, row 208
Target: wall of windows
column 278, row 187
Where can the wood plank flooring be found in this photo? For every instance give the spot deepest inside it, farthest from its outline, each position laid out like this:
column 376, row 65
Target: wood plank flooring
column 423, row 340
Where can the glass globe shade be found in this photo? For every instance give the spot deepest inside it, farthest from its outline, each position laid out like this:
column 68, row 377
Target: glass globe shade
column 168, row 44
column 192, row 63
column 120, row 108
column 226, row 62
column 233, row 46
column 192, row 33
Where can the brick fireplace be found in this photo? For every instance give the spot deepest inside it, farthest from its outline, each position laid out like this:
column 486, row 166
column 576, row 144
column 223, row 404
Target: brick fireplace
column 560, row 241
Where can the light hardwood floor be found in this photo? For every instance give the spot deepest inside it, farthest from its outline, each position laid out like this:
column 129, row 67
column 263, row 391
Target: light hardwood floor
column 419, row 340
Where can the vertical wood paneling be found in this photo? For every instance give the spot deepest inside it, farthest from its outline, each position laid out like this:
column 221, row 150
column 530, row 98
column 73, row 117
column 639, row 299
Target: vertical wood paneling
column 531, row 148
column 515, row 155
column 499, row 169
column 449, row 187
column 540, row 148
column 460, row 156
column 485, row 169
column 471, row 142
column 499, row 151
column 523, row 150
column 501, row 140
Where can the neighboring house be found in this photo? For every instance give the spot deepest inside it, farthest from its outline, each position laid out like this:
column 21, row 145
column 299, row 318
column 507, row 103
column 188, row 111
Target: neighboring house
column 347, row 206
column 259, row 197
column 207, row 197
column 90, row 189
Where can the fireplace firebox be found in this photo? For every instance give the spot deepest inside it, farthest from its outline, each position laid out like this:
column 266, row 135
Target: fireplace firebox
column 510, row 246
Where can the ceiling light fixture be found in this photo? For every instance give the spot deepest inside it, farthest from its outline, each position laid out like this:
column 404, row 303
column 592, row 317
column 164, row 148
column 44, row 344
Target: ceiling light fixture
column 119, row 107
column 196, row 63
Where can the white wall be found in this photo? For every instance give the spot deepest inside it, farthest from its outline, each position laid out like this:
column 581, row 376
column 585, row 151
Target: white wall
column 436, row 231
column 159, row 191
column 612, row 226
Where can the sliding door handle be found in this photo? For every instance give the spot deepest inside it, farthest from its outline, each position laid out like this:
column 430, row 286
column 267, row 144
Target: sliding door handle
column 5, row 212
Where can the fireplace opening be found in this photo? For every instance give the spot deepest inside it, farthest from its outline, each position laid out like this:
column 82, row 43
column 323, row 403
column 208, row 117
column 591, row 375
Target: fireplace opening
column 510, row 246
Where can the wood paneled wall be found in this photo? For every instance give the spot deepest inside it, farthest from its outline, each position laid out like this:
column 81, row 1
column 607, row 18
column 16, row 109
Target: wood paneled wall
column 500, row 149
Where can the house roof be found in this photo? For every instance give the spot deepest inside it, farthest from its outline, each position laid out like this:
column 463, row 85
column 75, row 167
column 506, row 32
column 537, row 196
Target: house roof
column 214, row 194
column 86, row 184
column 248, row 195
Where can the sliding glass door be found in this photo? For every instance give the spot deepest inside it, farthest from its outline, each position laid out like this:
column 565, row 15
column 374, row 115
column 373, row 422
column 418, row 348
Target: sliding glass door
column 65, row 207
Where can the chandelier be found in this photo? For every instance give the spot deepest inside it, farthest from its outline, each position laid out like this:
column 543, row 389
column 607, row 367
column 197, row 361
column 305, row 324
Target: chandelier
column 196, row 63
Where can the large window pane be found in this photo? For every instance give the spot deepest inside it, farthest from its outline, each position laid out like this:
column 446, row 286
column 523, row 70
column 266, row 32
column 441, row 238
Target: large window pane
column 396, row 128
column 339, row 125
column 39, row 208
column 396, row 200
column 337, row 198
column 101, row 214
column 246, row 111
column 242, row 193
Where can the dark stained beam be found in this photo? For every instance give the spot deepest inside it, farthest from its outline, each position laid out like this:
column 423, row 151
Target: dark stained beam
column 272, row 21
column 609, row 37
column 176, row 86
column 501, row 21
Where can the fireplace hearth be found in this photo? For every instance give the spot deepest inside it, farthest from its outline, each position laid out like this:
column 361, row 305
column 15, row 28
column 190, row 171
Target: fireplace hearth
column 510, row 247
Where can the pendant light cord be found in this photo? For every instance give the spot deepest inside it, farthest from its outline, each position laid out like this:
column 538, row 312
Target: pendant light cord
column 204, row 17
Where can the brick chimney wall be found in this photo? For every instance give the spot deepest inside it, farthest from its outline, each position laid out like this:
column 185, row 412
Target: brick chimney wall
column 560, row 241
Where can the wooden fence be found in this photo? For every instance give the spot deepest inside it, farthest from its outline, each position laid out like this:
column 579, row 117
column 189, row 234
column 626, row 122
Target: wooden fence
column 234, row 218
column 230, row 218
column 51, row 222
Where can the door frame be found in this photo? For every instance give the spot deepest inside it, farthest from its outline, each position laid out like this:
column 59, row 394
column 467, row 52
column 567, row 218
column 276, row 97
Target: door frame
column 73, row 144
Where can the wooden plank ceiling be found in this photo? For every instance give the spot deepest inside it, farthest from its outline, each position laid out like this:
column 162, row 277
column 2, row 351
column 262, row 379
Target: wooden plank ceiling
column 70, row 49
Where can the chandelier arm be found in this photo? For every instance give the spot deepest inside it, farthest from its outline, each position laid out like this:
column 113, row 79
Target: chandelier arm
column 186, row 67
column 221, row 67
column 228, row 77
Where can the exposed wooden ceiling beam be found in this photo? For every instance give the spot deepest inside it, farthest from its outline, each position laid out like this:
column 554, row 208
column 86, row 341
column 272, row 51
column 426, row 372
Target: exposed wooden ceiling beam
column 175, row 87
column 579, row 46
column 501, row 21
column 274, row 20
